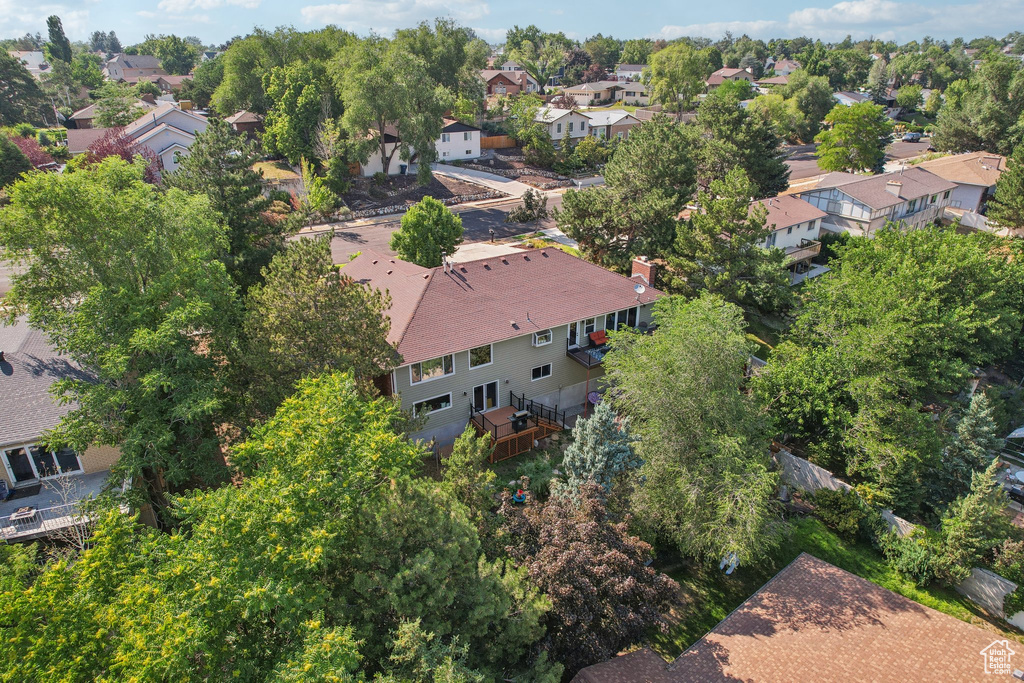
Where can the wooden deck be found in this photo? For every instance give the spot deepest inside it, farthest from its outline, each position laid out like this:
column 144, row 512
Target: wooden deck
column 507, row 442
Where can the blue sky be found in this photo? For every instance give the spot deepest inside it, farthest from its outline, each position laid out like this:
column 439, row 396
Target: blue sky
column 217, row 20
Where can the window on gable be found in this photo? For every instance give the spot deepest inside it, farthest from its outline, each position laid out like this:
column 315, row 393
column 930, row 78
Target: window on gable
column 542, row 372
column 558, row 128
column 570, row 126
column 467, row 135
column 542, row 338
column 432, row 369
column 481, row 355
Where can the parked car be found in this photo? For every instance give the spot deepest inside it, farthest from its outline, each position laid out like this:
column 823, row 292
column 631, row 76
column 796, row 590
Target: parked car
column 911, row 137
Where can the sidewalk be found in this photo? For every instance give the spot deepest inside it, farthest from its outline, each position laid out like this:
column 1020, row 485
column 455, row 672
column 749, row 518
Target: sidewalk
column 513, row 188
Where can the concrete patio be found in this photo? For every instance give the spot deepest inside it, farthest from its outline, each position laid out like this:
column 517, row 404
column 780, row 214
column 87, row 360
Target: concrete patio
column 50, row 509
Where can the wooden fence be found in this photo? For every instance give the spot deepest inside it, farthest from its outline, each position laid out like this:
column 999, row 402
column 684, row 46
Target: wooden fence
column 497, row 142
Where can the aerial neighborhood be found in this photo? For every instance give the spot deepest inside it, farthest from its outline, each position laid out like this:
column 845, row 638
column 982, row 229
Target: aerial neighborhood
column 420, row 352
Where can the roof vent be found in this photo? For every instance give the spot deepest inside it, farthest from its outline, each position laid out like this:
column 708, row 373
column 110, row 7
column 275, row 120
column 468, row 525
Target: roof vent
column 544, row 253
column 374, row 261
column 390, row 271
column 2, row 359
column 426, row 276
column 504, row 260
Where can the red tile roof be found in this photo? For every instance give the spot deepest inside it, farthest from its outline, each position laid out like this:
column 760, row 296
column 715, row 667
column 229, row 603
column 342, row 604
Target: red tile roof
column 434, row 312
column 816, row 622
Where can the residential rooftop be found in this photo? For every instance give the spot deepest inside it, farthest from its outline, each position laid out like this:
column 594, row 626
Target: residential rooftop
column 887, row 189
column 788, row 210
column 973, row 168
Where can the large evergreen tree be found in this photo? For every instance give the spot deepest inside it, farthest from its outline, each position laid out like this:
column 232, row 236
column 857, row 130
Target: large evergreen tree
column 1007, row 207
column 973, row 527
column 20, row 97
column 971, row 449
column 601, row 449
column 13, row 161
column 219, row 165
column 58, row 47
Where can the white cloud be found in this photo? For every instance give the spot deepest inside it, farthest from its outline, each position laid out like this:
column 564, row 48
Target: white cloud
column 884, row 19
column 492, row 35
column 384, row 15
column 18, row 18
column 185, row 6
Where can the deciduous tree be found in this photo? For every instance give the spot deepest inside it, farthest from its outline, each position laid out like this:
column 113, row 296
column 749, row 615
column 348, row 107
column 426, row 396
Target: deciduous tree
column 1007, row 206
column 855, row 139
column 677, row 75
column 429, row 230
column 13, row 161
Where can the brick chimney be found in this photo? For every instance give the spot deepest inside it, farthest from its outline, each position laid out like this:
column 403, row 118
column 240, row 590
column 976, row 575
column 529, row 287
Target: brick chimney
column 893, row 187
column 644, row 270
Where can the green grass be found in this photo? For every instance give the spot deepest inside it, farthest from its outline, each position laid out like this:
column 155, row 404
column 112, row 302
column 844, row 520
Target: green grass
column 708, row 595
column 276, row 170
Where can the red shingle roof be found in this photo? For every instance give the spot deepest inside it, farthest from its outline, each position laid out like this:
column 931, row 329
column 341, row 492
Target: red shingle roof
column 787, row 210
column 434, row 312
column 816, row 622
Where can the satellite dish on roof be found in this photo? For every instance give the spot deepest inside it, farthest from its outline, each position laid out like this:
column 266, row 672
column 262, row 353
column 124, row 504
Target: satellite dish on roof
column 639, row 289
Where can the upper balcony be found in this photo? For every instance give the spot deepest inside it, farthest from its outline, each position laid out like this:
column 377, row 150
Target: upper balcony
column 807, row 249
column 49, row 507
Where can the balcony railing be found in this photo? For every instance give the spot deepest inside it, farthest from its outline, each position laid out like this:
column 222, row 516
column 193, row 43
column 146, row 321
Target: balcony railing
column 807, row 249
column 537, row 410
column 589, row 357
column 42, row 522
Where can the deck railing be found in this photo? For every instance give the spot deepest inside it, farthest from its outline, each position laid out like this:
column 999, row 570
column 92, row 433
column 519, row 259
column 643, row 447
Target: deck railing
column 537, row 410
column 584, row 356
column 807, row 249
column 500, row 430
column 43, row 521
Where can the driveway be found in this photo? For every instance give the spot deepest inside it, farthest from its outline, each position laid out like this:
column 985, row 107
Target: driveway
column 513, row 188
column 802, row 161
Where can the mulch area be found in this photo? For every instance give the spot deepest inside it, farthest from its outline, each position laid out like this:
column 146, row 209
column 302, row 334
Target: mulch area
column 518, row 163
column 365, row 194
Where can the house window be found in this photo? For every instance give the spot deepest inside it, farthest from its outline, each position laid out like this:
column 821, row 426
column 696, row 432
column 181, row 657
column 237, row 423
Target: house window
column 558, row 128
column 623, row 318
column 935, row 198
column 29, row 463
column 446, row 137
column 789, row 230
column 479, row 356
column 570, row 126
column 444, row 154
column 945, row 195
column 911, row 206
column 431, row 369
column 542, row 372
column 583, row 126
column 467, row 135
column 770, row 242
column 542, row 338
column 469, row 151
column 432, row 405
column 619, row 134
column 589, row 325
column 810, row 226
column 485, row 397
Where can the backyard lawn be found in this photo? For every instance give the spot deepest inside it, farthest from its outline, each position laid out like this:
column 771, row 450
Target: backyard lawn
column 708, row 595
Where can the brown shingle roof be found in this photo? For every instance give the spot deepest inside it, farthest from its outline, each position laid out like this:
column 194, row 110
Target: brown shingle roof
column 872, row 190
column 80, row 139
column 243, row 116
column 787, row 210
column 974, row 168
column 814, row 621
column 434, row 312
column 722, row 75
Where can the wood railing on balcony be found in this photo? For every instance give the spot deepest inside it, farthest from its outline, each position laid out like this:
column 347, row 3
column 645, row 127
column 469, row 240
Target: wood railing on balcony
column 807, row 249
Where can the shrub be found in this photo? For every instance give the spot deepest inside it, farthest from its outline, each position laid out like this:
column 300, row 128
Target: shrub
column 24, row 130
column 841, row 511
column 1009, row 563
column 912, row 556
column 539, row 473
column 380, row 179
column 43, row 139
column 280, row 196
column 534, row 208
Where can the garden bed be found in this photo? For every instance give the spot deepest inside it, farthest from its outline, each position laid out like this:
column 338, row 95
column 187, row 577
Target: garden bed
column 365, row 194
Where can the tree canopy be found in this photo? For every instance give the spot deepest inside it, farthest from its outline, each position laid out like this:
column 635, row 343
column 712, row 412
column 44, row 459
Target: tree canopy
column 429, row 231
column 855, row 139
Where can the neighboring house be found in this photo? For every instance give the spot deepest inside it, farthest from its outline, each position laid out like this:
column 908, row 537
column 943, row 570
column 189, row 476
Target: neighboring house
column 511, row 66
column 722, row 75
column 133, row 68
column 168, row 131
column 795, row 226
column 785, row 67
column 500, row 82
column 611, row 123
column 816, row 622
column 33, row 60
column 493, row 336
column 208, row 55
column 563, row 122
column 774, row 81
column 629, row 72
column 620, row 92
column 47, row 483
column 375, row 163
column 171, row 84
column 632, row 92
column 81, row 139
column 85, row 117
column 245, row 122
column 975, row 175
column 848, row 99
column 861, row 205
column 458, row 141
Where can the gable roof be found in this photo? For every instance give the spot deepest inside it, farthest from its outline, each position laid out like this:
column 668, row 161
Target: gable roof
column 164, row 128
column 89, row 113
column 456, row 126
column 631, row 67
column 788, row 210
column 852, row 96
column 815, row 621
column 874, row 190
column 774, row 80
column 244, row 116
column 973, row 168
column 434, row 312
column 609, row 117
column 151, row 117
column 552, row 114
column 490, row 74
column 80, row 139
column 30, row 366
column 137, row 61
column 726, row 74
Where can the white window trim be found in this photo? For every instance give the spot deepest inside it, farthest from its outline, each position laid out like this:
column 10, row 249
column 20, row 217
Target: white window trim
column 32, row 463
column 469, row 358
column 424, row 381
column 550, row 334
column 433, row 412
column 497, row 396
column 551, row 371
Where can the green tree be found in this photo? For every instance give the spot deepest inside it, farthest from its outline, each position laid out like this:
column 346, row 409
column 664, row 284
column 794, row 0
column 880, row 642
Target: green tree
column 786, row 118
column 540, row 60
column 421, row 657
column 909, row 97
column 467, row 478
column 297, row 93
column 636, row 51
column 603, row 595
column 20, row 97
column 319, row 201
column 601, row 449
column 175, row 54
column 934, row 104
column 982, row 112
column 126, row 281
column 973, row 527
column 116, row 105
column 307, row 318
column 604, row 50
column 855, row 139
column 971, row 449
column 657, row 155
column 85, row 70
column 1007, row 206
column 707, row 487
column 813, row 98
column 13, row 161
column 719, row 249
column 429, row 230
column 219, row 165
column 205, row 80
column 58, row 47
column 677, row 76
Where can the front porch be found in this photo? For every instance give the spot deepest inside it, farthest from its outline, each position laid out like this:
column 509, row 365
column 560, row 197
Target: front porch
column 516, row 427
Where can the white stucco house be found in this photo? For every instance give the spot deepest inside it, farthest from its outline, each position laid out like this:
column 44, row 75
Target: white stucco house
column 168, row 131
column 458, row 141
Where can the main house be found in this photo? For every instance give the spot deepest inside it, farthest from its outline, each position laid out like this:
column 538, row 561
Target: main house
column 861, row 205
column 40, row 486
column 167, row 130
column 489, row 338
column 623, row 92
column 458, row 141
column 795, row 226
column 562, row 123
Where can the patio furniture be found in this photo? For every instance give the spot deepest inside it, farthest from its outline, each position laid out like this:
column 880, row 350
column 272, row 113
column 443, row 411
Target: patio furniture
column 598, row 338
column 1019, row 476
column 27, row 512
